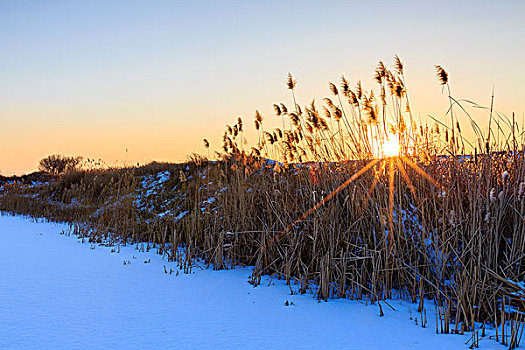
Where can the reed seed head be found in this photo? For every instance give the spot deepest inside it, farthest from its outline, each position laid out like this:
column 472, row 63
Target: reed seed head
column 258, row 116
column 333, row 89
column 239, row 123
column 345, row 86
column 277, row 109
column 359, row 90
column 442, row 75
column 398, row 65
column 380, row 72
column 290, row 82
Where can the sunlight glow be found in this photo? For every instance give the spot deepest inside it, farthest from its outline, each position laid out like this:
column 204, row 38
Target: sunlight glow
column 391, row 146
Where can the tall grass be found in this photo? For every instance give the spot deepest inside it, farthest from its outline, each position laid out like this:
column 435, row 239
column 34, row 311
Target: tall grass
column 452, row 232
column 444, row 221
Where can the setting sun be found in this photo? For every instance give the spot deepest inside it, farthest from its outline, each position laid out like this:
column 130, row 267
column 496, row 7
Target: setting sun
column 390, row 147
column 386, row 147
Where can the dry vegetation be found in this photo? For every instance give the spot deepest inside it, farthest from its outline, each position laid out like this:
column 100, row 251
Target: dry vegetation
column 444, row 221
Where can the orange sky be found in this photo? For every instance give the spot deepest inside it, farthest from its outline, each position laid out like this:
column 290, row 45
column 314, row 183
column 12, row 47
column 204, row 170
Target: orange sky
column 97, row 78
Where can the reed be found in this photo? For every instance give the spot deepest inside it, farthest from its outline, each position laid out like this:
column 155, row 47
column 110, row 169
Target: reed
column 441, row 220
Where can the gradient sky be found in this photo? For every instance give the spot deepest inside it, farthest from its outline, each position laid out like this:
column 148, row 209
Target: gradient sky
column 95, row 78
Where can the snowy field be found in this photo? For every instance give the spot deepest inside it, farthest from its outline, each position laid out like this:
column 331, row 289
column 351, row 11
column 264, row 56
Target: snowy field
column 57, row 293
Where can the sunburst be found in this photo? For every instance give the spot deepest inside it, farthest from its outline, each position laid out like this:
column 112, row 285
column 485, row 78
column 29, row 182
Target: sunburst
column 389, row 157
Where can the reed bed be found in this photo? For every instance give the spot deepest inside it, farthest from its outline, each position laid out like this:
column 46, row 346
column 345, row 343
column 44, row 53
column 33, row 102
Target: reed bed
column 440, row 222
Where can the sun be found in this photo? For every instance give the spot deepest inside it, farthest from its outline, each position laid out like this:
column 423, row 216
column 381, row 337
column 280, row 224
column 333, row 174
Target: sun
column 388, row 147
column 391, row 146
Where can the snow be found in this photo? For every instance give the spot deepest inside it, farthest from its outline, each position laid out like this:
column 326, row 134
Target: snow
column 57, row 293
column 180, row 216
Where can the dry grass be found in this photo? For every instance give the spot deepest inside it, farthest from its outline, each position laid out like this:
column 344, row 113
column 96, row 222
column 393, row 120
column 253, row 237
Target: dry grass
column 444, row 222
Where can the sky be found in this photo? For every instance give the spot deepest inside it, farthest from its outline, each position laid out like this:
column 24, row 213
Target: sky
column 136, row 81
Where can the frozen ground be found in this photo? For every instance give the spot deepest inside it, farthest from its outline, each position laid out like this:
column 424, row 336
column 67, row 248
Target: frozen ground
column 57, row 293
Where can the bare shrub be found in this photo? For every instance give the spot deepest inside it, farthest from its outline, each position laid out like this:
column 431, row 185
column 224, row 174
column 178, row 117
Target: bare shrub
column 57, row 164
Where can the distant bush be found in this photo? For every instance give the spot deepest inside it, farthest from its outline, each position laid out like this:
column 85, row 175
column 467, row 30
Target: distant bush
column 57, row 164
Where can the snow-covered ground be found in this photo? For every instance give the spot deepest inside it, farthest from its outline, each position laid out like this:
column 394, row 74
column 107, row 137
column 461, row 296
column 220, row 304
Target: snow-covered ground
column 57, row 293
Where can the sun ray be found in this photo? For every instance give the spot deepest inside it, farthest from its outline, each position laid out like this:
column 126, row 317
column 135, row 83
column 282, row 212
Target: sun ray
column 403, row 172
column 369, row 193
column 391, row 202
column 420, row 171
column 323, row 201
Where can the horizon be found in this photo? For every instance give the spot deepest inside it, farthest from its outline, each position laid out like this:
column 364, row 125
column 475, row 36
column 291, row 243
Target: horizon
column 148, row 81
